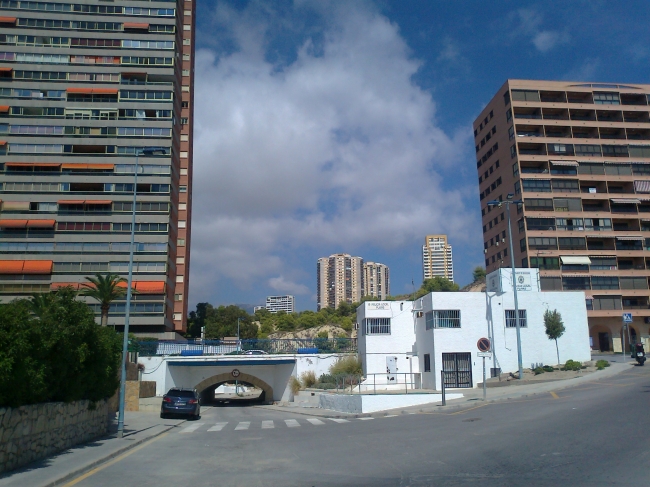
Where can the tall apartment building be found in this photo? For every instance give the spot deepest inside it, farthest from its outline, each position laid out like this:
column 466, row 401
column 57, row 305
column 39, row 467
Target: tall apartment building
column 437, row 258
column 339, row 278
column 578, row 155
column 280, row 303
column 87, row 85
column 376, row 280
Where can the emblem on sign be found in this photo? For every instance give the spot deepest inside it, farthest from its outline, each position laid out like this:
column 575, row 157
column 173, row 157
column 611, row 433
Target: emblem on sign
column 483, row 345
column 235, row 372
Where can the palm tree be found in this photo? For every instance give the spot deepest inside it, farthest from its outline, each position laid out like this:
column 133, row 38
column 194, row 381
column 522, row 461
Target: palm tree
column 105, row 289
column 40, row 303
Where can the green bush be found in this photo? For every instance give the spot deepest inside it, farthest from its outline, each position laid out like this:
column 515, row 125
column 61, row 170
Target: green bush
column 548, row 368
column 326, row 379
column 572, row 365
column 538, row 370
column 324, row 385
column 349, row 365
column 601, row 364
column 59, row 354
column 308, row 379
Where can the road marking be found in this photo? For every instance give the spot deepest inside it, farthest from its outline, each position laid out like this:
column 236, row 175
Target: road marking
column 555, row 396
column 192, row 428
column 292, row 423
column 243, row 426
column 315, row 421
column 364, row 419
column 113, row 462
column 391, row 415
column 267, row 425
column 217, row 427
column 339, row 420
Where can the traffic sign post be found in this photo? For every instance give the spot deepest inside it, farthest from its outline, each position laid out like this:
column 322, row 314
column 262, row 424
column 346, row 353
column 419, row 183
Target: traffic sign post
column 627, row 318
column 484, row 347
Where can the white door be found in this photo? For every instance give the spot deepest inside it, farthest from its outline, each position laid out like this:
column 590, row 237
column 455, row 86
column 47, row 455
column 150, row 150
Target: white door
column 391, row 368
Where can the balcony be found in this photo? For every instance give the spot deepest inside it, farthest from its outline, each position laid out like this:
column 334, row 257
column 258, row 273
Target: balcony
column 557, row 131
column 609, row 116
column 582, row 115
column 552, row 96
column 636, row 117
column 532, row 149
column 612, row 133
column 527, row 113
column 633, row 99
column 579, row 97
column 555, row 114
column 638, row 134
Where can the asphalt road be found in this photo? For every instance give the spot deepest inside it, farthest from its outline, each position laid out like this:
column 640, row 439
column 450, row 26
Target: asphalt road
column 594, row 434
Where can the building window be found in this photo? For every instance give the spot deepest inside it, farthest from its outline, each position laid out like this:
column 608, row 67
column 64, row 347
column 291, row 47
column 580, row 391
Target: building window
column 510, row 318
column 446, row 318
column 178, row 316
column 513, row 151
column 178, row 297
column 427, row 362
column 179, row 278
column 377, row 326
column 182, row 189
column 180, row 242
column 607, row 99
column 506, row 98
column 511, row 133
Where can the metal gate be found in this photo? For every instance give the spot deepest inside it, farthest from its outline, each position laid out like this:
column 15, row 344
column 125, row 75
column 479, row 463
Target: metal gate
column 457, row 368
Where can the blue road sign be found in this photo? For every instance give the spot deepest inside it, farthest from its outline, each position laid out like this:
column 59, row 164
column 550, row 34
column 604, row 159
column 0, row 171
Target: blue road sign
column 627, row 317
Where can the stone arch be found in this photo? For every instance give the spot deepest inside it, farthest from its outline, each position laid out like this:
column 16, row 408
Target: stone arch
column 267, row 394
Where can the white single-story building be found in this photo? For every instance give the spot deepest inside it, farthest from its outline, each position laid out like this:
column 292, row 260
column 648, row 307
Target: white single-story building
column 443, row 328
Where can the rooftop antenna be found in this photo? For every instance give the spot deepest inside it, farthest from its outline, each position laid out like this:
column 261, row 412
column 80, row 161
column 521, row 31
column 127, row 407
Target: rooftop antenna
column 413, row 284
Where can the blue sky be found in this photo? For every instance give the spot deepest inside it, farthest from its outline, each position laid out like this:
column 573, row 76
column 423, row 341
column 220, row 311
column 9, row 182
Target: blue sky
column 345, row 126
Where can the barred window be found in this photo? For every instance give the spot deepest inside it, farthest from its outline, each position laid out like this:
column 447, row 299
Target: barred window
column 445, row 318
column 510, row 318
column 377, row 326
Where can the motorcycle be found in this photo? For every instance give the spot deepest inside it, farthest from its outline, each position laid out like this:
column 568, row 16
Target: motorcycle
column 639, row 353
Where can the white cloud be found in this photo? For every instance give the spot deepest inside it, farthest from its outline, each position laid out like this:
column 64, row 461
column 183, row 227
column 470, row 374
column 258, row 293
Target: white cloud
column 585, row 71
column 528, row 23
column 546, row 40
column 335, row 151
column 281, row 285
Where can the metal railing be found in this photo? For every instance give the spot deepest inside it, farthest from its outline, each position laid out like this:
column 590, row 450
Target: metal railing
column 255, row 346
column 398, row 382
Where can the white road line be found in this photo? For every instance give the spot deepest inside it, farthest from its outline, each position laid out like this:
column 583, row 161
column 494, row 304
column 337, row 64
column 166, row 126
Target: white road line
column 338, row 420
column 315, row 421
column 243, row 426
column 391, row 415
column 267, row 425
column 217, row 427
column 364, row 419
column 292, row 423
column 192, row 428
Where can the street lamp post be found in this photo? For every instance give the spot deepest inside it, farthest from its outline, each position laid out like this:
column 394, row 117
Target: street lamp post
column 125, row 342
column 508, row 202
column 238, row 340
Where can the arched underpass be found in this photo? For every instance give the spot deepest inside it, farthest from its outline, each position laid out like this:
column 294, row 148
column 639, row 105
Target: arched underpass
column 207, row 387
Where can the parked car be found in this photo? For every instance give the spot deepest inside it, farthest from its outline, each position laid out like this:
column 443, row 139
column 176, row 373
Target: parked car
column 181, row 401
column 255, row 352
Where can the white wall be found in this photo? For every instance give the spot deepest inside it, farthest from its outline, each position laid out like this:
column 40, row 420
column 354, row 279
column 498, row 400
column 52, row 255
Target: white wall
column 373, row 349
column 277, row 376
column 483, row 315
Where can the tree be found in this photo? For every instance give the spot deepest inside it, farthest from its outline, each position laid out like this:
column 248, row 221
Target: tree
column 222, row 322
column 105, row 289
column 40, row 303
column 196, row 320
column 478, row 274
column 439, row 284
column 554, row 328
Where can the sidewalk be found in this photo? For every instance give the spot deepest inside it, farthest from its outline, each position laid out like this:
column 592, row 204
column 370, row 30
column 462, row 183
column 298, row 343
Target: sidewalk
column 139, row 427
column 471, row 397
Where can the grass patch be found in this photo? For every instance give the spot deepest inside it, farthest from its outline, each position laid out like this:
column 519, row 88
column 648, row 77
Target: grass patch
column 350, row 365
column 295, row 385
column 572, row 365
column 308, row 379
column 601, row 364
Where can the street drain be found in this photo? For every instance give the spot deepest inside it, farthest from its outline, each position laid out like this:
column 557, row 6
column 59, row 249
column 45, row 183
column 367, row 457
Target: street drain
column 471, row 420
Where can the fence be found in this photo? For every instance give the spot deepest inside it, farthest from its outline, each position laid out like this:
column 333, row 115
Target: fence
column 248, row 347
column 356, row 384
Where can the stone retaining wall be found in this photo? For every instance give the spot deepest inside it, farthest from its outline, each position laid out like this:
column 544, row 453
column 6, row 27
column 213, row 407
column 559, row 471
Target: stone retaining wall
column 147, row 388
column 33, row 432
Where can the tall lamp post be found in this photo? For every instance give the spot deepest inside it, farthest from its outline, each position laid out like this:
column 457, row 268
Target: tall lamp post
column 125, row 342
column 509, row 201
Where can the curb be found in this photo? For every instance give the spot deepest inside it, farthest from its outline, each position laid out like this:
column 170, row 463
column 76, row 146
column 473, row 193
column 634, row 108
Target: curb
column 86, row 468
column 560, row 384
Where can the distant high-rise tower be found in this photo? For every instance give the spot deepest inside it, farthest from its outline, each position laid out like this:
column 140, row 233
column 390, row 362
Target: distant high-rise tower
column 339, row 278
column 280, row 303
column 436, row 257
column 376, row 280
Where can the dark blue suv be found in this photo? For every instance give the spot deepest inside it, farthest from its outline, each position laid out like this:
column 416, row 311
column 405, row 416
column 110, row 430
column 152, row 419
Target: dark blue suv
column 181, row 401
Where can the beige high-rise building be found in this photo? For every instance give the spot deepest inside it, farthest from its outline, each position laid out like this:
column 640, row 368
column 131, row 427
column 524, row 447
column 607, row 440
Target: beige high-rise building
column 437, row 257
column 339, row 279
column 376, row 280
column 578, row 155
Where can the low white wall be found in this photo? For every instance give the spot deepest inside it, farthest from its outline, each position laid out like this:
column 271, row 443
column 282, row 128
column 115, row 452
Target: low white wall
column 364, row 403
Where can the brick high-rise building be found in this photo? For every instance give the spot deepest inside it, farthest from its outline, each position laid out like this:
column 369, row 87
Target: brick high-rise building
column 86, row 85
column 376, row 280
column 339, row 278
column 578, row 155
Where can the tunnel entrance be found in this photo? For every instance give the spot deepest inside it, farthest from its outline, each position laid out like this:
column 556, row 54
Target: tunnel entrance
column 224, row 390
